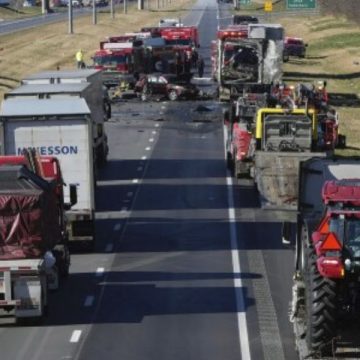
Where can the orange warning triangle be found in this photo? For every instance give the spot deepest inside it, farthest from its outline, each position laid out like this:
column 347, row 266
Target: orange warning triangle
column 331, row 242
column 324, row 227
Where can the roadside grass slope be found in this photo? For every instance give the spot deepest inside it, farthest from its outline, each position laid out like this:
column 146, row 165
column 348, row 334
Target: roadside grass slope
column 50, row 46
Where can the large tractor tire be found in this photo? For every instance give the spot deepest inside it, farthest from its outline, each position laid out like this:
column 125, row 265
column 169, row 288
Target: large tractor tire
column 321, row 309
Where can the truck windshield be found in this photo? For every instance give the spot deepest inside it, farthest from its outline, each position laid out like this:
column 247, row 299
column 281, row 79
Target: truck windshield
column 112, row 60
column 183, row 42
column 352, row 231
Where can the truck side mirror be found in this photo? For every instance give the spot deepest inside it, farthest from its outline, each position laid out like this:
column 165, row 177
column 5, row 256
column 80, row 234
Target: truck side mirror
column 73, row 197
column 73, row 194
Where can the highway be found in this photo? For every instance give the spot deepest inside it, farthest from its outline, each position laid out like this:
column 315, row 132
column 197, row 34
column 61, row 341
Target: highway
column 186, row 266
column 11, row 26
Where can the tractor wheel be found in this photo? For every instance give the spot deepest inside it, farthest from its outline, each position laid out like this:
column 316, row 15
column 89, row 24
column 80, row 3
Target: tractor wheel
column 321, row 304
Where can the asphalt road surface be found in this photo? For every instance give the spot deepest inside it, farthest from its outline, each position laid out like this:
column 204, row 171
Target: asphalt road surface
column 186, row 266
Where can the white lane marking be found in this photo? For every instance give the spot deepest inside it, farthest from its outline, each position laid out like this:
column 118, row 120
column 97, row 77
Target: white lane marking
column 154, row 132
column 140, row 168
column 239, row 295
column 130, row 194
column 143, row 158
column 163, row 107
column 109, row 248
column 148, row 148
column 100, row 271
column 151, row 140
column 75, row 337
column 268, row 323
column 89, row 301
column 117, row 227
column 135, row 181
column 157, row 125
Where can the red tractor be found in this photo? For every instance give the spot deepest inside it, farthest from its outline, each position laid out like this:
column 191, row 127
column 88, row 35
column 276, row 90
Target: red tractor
column 326, row 282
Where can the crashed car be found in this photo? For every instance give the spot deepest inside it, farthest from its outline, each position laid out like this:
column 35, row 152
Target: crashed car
column 167, row 85
column 294, row 47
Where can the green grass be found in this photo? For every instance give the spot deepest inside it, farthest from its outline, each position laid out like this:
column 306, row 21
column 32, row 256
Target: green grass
column 332, row 25
column 338, row 41
column 8, row 13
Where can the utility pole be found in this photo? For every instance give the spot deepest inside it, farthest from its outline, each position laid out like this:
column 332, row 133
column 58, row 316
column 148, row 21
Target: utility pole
column 112, row 9
column 94, row 12
column 125, row 6
column 140, row 4
column 70, row 30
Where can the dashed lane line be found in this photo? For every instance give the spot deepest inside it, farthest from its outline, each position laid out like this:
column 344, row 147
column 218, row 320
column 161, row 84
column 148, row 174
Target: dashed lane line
column 100, row 271
column 75, row 336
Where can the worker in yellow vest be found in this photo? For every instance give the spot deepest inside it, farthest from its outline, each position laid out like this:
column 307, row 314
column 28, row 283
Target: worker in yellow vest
column 80, row 59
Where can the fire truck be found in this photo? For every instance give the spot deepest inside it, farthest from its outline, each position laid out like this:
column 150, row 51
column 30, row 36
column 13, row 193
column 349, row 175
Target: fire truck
column 182, row 36
column 184, row 40
column 119, row 60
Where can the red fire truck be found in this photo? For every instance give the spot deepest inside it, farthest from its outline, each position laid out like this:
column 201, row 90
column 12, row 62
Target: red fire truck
column 184, row 39
column 119, row 61
column 183, row 36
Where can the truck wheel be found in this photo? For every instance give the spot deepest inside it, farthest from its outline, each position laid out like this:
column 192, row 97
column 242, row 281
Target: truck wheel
column 229, row 160
column 101, row 155
column 341, row 141
column 241, row 170
column 321, row 304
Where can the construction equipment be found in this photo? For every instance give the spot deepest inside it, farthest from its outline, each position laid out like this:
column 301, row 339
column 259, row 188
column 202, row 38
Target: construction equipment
column 326, row 280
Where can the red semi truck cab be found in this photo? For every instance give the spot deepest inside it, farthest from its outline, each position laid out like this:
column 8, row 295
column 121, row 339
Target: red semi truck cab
column 47, row 166
column 224, row 35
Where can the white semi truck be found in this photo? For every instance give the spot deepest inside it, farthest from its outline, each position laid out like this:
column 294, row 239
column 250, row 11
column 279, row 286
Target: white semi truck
column 60, row 127
column 85, row 84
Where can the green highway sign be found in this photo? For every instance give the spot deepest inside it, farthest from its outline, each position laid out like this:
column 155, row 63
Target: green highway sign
column 301, row 4
column 244, row 2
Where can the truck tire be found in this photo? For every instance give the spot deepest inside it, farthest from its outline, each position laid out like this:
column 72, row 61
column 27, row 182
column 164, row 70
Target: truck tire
column 321, row 305
column 101, row 155
column 229, row 161
column 341, row 142
column 241, row 170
